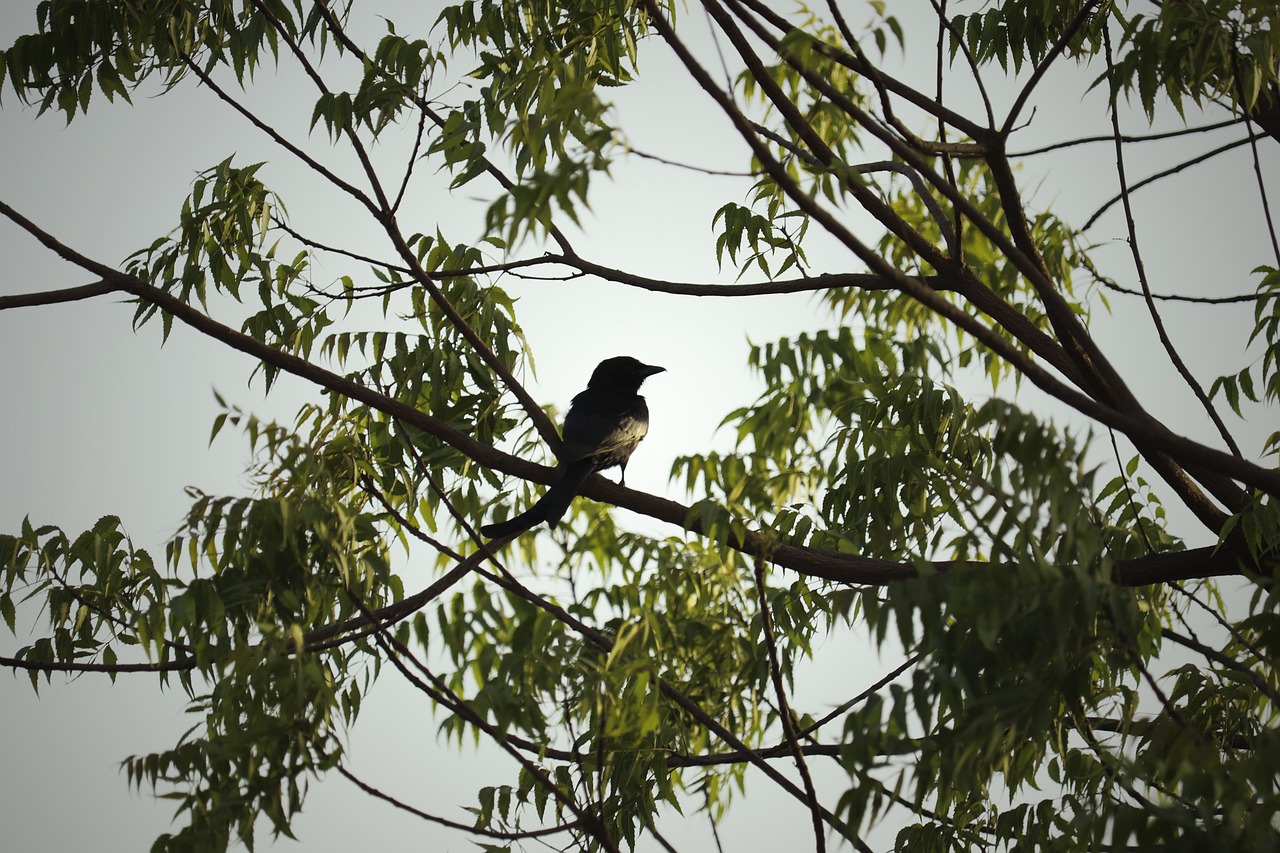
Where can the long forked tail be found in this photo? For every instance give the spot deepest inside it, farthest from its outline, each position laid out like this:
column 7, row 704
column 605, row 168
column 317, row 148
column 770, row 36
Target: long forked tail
column 551, row 508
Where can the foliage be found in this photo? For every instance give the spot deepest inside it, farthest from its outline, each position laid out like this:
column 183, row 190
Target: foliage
column 1031, row 584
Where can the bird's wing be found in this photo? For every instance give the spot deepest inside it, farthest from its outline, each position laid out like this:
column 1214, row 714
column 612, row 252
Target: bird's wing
column 594, row 428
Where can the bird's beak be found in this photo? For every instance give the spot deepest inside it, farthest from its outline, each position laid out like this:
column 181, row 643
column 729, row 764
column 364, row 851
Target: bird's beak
column 650, row 369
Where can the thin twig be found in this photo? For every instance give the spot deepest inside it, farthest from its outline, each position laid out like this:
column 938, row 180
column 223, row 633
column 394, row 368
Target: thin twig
column 1253, row 143
column 312, row 243
column 1042, row 66
column 870, row 691
column 462, row 827
column 357, row 145
column 432, row 686
column 1109, row 138
column 1163, row 334
column 310, row 161
column 340, row 35
column 873, row 73
column 789, row 732
column 1223, row 660
column 1133, row 504
column 413, row 159
column 700, row 169
column 1187, row 164
column 958, row 38
column 917, row 98
column 948, row 165
column 1230, row 629
column 1111, row 284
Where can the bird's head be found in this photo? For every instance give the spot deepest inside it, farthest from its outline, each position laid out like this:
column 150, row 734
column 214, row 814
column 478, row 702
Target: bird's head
column 622, row 372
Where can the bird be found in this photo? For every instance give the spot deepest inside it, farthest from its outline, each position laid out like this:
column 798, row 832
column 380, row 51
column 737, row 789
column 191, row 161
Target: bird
column 601, row 430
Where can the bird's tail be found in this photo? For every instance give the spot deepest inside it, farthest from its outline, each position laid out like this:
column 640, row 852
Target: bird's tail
column 551, row 508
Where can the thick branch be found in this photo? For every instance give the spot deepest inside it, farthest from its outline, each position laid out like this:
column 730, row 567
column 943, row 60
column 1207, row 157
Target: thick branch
column 54, row 297
column 179, row 665
column 832, row 565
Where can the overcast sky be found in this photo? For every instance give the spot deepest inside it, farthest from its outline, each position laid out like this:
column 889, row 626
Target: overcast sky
column 99, row 420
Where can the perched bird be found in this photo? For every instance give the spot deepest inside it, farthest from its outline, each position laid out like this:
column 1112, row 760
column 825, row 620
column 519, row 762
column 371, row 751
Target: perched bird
column 603, row 427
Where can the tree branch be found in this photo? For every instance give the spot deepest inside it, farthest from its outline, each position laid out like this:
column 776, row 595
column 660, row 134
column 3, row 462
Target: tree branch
column 1043, row 65
column 1225, row 661
column 1144, row 137
column 1133, row 424
column 461, row 827
column 178, row 665
column 832, row 565
column 908, row 93
column 1141, row 268
column 432, row 686
column 789, row 733
column 1194, row 161
column 384, row 213
column 55, row 297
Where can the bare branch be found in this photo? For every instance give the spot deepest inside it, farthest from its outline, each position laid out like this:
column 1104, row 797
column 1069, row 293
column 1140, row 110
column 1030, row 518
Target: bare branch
column 700, row 169
column 56, row 297
column 1194, row 161
column 1043, row 65
column 1132, row 228
column 789, row 733
column 178, row 665
column 462, row 827
column 832, row 565
column 1146, row 137
column 432, row 686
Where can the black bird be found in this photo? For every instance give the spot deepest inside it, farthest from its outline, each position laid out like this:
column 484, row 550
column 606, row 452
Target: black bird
column 603, row 427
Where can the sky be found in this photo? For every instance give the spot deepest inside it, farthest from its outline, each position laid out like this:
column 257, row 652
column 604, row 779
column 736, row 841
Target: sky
column 101, row 420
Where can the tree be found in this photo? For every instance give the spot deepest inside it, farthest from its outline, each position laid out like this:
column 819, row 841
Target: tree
column 929, row 465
